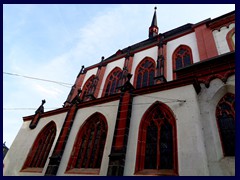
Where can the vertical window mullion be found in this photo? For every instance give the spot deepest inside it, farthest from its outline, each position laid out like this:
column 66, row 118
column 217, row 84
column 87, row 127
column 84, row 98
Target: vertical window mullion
column 48, row 149
column 158, row 147
column 91, row 147
column 99, row 135
column 36, row 154
column 43, row 150
column 84, row 148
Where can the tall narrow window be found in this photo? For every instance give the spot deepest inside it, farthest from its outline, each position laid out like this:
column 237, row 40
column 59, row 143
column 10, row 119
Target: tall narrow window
column 225, row 114
column 182, row 57
column 157, row 146
column 144, row 74
column 86, row 156
column 39, row 152
column 113, row 82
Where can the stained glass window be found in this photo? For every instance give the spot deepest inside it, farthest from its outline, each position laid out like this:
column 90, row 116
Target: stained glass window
column 182, row 57
column 87, row 88
column 157, row 141
column 39, row 152
column 145, row 73
column 225, row 114
column 89, row 145
column 113, row 81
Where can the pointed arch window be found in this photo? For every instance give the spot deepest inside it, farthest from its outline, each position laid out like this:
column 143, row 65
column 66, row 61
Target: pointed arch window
column 86, row 156
column 182, row 57
column 113, row 82
column 39, row 152
column 87, row 88
column 157, row 146
column 145, row 72
column 225, row 115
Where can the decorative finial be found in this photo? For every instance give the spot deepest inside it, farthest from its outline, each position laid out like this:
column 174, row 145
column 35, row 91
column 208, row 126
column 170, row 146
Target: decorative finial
column 43, row 101
column 155, row 8
column 102, row 58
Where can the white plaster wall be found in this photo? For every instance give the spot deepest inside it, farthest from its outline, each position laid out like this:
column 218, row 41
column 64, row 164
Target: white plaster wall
column 208, row 100
column 110, row 66
column 88, row 75
column 220, row 38
column 138, row 57
column 109, row 110
column 192, row 160
column 189, row 40
column 23, row 142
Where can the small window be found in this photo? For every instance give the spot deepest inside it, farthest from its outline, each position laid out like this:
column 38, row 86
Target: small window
column 145, row 73
column 113, row 82
column 182, row 57
column 87, row 88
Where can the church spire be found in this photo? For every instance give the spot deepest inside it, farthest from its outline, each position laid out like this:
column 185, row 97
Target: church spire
column 153, row 29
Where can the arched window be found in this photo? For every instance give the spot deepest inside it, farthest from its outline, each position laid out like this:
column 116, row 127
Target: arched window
column 39, row 152
column 231, row 39
column 145, row 72
column 113, row 81
column 86, row 156
column 225, row 115
column 182, row 57
column 157, row 145
column 87, row 88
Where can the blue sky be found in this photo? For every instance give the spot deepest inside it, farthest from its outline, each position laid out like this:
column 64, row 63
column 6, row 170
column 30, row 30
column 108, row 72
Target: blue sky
column 54, row 41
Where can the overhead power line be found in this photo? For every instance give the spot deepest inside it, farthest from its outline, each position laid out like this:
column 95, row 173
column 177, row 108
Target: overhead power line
column 40, row 79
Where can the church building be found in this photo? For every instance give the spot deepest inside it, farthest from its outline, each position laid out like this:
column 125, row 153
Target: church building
column 164, row 106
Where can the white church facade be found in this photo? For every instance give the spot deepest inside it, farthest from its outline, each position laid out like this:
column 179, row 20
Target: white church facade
column 164, row 106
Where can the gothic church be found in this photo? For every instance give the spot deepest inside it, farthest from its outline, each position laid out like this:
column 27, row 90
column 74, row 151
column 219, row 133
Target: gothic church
column 162, row 107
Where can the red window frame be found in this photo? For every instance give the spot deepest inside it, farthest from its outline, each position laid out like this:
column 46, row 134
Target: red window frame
column 87, row 152
column 230, row 42
column 145, row 70
column 87, row 87
column 147, row 118
column 179, row 55
column 39, row 152
column 227, row 115
column 112, row 82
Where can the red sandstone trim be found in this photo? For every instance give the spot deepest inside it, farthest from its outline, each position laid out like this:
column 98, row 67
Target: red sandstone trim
column 205, row 42
column 230, row 42
column 78, row 84
column 165, row 61
column 32, row 170
column 100, row 77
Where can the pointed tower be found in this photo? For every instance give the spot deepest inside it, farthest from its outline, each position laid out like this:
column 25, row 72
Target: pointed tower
column 153, row 29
